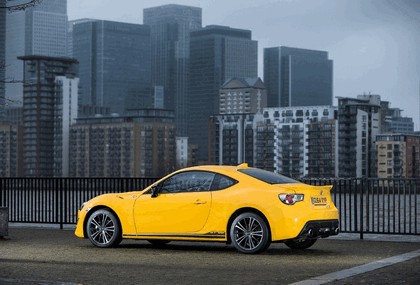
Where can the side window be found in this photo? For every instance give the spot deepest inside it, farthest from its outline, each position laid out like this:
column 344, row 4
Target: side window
column 222, row 182
column 190, row 181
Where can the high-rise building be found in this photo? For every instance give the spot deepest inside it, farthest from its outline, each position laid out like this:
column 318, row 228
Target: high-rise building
column 140, row 144
column 359, row 122
column 217, row 53
column 285, row 143
column 393, row 122
column 70, row 27
column 170, row 32
column 39, row 30
column 323, row 148
column 297, row 77
column 398, row 156
column 114, row 62
column 242, row 95
column 231, row 138
column 49, row 108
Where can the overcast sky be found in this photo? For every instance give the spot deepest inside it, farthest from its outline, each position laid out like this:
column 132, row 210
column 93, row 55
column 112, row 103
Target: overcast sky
column 375, row 44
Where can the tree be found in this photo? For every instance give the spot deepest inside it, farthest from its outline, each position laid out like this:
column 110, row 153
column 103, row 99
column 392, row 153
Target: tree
column 16, row 5
column 7, row 80
column 11, row 6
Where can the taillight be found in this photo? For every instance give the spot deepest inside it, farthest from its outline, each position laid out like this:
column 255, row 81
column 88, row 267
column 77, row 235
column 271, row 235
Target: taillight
column 290, row 199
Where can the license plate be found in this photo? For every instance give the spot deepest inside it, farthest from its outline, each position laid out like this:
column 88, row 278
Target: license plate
column 319, row 200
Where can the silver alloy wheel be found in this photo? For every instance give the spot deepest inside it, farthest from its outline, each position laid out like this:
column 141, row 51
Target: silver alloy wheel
column 249, row 233
column 103, row 229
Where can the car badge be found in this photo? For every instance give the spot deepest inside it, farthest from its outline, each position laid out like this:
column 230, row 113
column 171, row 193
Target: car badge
column 321, row 192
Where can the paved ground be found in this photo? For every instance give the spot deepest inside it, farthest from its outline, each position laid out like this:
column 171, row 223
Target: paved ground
column 51, row 256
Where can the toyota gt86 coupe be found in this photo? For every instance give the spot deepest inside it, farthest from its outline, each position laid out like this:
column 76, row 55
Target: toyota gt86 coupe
column 240, row 205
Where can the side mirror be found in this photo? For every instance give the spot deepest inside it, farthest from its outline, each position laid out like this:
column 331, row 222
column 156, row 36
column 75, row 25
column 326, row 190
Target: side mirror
column 154, row 192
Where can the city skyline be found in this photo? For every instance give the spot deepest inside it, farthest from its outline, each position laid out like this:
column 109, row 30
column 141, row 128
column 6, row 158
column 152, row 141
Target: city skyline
column 372, row 43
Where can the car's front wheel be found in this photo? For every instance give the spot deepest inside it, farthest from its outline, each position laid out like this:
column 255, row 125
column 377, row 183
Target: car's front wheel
column 249, row 233
column 103, row 229
column 300, row 243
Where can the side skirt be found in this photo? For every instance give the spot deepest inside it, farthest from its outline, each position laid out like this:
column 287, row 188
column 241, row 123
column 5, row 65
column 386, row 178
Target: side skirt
column 170, row 236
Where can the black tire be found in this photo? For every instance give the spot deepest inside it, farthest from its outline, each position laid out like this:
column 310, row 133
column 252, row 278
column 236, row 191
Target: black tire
column 158, row 242
column 300, row 243
column 103, row 229
column 249, row 233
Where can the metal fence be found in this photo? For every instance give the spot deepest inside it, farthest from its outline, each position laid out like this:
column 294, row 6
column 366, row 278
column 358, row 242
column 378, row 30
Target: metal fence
column 384, row 206
column 379, row 206
column 56, row 200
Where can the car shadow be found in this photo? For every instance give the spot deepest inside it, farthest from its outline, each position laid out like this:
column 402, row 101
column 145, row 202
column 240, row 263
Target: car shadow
column 179, row 246
column 274, row 249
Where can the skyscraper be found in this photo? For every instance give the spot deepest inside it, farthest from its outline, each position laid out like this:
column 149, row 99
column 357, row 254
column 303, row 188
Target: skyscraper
column 297, row 77
column 39, row 30
column 170, row 31
column 217, row 54
column 114, row 62
column 49, row 108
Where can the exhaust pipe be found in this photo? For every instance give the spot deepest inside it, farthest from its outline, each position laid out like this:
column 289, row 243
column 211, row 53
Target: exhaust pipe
column 310, row 233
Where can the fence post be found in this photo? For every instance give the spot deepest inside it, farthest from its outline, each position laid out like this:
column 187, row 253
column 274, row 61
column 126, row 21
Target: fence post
column 63, row 204
column 361, row 212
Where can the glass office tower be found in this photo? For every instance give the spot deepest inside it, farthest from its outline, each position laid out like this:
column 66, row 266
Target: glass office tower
column 297, row 77
column 114, row 64
column 218, row 53
column 170, row 31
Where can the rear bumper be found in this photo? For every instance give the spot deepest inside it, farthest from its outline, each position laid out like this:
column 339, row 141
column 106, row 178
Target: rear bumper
column 319, row 229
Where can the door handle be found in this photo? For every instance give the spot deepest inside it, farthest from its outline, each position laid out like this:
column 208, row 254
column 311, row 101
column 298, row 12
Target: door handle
column 199, row 202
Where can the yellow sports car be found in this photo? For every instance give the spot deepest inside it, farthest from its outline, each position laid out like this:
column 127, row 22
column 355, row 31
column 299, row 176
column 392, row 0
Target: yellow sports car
column 245, row 206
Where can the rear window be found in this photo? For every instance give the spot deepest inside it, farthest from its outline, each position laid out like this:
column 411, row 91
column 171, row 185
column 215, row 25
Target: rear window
column 266, row 176
column 222, row 182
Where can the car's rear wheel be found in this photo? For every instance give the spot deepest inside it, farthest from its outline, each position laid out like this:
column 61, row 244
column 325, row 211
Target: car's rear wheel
column 300, row 243
column 249, row 233
column 103, row 229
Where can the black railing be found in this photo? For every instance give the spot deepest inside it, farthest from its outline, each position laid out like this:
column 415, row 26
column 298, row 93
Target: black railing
column 56, row 200
column 384, row 206
column 379, row 206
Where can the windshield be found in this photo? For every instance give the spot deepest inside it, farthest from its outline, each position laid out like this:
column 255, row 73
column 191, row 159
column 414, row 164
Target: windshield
column 266, row 176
